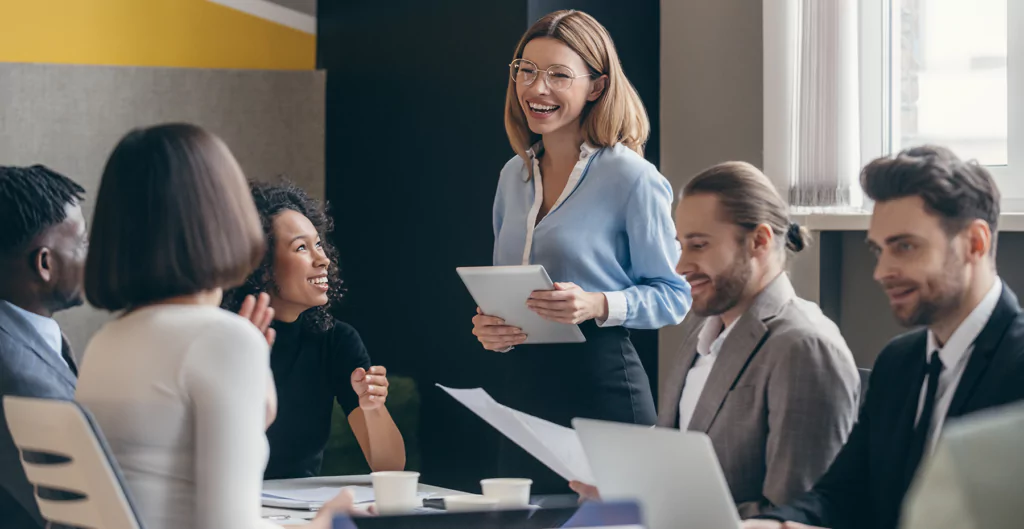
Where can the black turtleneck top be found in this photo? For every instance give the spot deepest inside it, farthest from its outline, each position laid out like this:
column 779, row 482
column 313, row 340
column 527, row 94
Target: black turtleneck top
column 312, row 369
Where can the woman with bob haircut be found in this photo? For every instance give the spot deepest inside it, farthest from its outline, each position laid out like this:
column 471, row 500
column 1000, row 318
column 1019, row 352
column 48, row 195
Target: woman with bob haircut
column 179, row 386
column 579, row 199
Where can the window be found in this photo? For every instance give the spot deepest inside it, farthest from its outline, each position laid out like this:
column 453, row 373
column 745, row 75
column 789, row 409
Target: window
column 948, row 72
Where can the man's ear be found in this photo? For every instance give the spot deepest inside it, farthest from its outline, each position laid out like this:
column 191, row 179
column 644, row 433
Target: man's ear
column 763, row 239
column 42, row 264
column 979, row 239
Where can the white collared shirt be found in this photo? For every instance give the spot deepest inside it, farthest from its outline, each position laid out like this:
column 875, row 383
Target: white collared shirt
column 617, row 309
column 954, row 356
column 709, row 344
column 48, row 329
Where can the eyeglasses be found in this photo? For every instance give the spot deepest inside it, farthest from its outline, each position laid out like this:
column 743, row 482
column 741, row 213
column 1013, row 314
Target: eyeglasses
column 559, row 77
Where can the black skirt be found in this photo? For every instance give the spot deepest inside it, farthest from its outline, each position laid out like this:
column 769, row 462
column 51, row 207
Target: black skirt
column 601, row 378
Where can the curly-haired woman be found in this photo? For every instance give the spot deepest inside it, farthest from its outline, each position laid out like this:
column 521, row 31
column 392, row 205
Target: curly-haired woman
column 315, row 359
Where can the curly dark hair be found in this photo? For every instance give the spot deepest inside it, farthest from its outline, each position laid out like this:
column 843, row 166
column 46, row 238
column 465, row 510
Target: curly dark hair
column 272, row 199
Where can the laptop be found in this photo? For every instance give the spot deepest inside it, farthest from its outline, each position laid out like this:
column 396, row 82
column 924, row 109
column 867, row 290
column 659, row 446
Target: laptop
column 610, row 515
column 674, row 475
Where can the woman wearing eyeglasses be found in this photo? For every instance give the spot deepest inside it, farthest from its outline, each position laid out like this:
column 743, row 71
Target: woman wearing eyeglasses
column 580, row 199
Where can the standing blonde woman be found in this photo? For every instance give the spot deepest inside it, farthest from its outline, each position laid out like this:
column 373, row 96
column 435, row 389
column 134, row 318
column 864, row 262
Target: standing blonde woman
column 580, row 199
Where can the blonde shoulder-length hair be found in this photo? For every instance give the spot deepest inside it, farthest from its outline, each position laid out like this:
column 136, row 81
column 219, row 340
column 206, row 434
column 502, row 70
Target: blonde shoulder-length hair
column 617, row 116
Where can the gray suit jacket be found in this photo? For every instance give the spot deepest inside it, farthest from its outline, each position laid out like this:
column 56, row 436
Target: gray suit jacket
column 28, row 368
column 780, row 400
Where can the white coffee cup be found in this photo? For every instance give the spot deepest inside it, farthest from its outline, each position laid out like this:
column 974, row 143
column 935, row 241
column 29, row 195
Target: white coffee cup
column 510, row 492
column 395, row 492
column 469, row 502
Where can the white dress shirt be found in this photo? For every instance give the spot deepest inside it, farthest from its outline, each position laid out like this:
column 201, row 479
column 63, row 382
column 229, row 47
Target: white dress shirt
column 954, row 356
column 48, row 329
column 616, row 300
column 709, row 343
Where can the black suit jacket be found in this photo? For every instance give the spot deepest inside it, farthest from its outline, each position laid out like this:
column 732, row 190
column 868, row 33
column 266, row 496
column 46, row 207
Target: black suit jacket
column 865, row 485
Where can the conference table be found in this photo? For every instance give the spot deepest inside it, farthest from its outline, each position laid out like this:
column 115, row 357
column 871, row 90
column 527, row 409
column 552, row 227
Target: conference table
column 296, row 517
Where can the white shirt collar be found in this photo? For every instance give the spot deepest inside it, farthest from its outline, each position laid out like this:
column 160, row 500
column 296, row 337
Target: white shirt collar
column 963, row 337
column 586, row 151
column 48, row 328
column 709, row 341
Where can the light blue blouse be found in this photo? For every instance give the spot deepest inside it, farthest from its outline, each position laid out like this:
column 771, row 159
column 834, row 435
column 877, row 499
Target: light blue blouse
column 610, row 231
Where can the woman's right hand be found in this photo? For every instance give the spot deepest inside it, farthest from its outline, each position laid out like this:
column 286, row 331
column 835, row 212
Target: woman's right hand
column 586, row 492
column 493, row 334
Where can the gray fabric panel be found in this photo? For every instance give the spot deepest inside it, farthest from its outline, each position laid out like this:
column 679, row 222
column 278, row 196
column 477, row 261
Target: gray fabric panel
column 70, row 117
column 307, row 7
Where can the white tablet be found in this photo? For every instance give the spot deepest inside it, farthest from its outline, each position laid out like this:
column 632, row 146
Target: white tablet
column 502, row 291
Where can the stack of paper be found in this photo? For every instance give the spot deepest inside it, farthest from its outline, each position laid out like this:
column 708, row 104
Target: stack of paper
column 556, row 446
column 314, row 498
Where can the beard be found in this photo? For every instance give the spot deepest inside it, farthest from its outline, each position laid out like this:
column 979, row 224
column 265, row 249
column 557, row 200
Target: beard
column 728, row 287
column 945, row 292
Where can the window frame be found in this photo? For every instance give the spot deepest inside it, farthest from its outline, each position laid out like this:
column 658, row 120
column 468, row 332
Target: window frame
column 880, row 88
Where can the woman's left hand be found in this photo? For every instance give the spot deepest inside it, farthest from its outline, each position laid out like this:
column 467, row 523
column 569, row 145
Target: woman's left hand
column 372, row 387
column 568, row 303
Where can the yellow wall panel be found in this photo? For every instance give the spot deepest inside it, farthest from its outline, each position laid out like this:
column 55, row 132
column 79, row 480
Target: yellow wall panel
column 174, row 33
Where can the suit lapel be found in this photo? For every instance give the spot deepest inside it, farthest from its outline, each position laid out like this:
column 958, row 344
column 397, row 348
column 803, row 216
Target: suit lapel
column 739, row 347
column 20, row 329
column 985, row 348
column 668, row 416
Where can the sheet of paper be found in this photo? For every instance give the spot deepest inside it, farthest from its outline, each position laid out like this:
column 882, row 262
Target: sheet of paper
column 319, row 495
column 556, row 446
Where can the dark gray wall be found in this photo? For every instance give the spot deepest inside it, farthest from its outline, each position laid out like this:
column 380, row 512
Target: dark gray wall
column 70, row 118
column 412, row 180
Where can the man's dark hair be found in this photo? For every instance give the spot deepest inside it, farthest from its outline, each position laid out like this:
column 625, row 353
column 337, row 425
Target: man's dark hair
column 173, row 217
column 271, row 200
column 32, row 199
column 958, row 192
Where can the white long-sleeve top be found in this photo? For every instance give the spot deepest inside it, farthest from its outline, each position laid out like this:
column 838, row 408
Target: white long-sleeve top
column 179, row 392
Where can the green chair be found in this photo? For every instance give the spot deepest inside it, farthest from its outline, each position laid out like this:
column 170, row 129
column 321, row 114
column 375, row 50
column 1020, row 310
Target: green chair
column 343, row 457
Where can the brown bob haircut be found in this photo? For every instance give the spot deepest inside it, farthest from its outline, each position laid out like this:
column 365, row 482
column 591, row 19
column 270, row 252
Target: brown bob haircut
column 173, row 217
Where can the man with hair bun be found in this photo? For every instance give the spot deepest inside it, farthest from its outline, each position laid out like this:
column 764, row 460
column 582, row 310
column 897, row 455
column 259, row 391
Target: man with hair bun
column 762, row 372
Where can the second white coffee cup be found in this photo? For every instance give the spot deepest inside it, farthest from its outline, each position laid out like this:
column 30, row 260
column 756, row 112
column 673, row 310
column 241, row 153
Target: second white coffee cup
column 510, row 492
column 395, row 492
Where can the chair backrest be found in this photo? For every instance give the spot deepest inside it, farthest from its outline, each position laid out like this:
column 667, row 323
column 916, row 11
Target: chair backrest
column 865, row 378
column 77, row 481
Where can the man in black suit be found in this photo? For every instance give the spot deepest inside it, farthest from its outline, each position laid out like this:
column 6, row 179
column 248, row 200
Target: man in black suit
column 933, row 232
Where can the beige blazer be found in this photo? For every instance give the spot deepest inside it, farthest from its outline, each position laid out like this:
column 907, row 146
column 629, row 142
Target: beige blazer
column 780, row 400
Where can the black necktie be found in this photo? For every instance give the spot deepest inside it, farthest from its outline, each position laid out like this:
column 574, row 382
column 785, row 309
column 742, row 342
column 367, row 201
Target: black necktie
column 66, row 354
column 920, row 437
